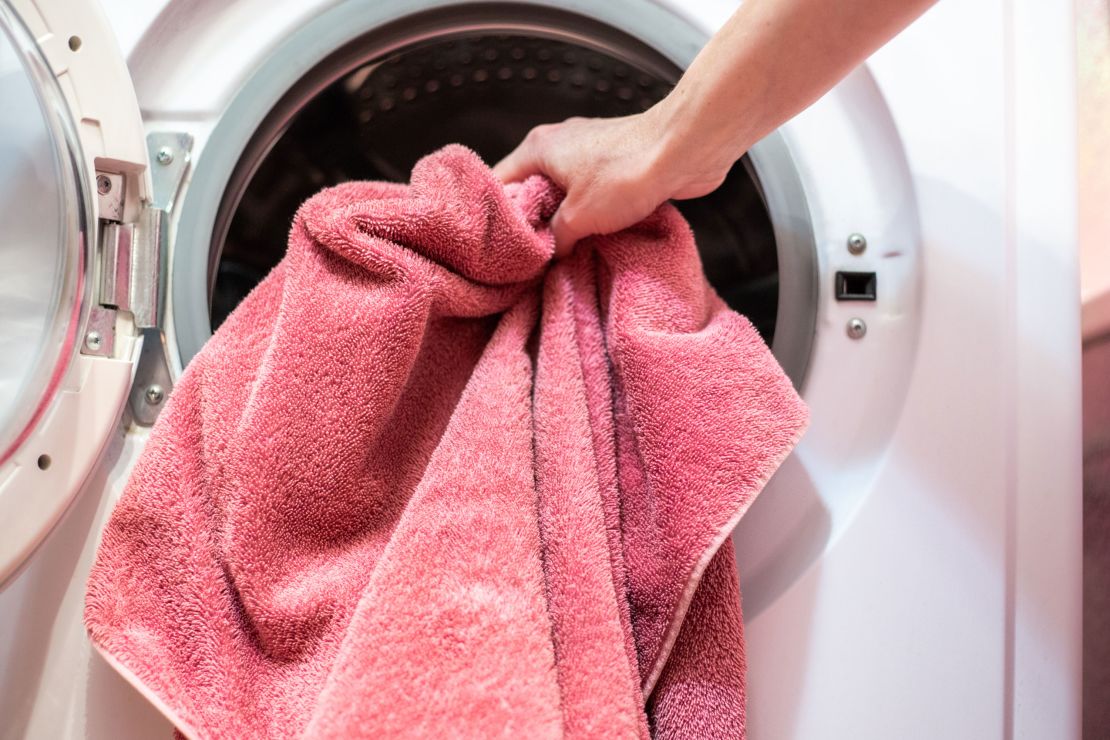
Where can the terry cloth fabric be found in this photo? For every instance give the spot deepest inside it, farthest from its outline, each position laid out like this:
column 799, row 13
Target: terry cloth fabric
column 425, row 482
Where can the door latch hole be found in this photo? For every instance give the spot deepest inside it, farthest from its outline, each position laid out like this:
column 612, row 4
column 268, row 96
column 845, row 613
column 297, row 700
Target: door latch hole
column 856, row 286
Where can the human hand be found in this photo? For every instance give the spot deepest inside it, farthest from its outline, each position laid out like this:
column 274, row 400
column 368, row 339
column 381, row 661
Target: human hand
column 767, row 63
column 615, row 171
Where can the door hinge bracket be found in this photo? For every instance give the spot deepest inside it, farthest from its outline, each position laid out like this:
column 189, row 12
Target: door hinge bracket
column 131, row 271
column 170, row 154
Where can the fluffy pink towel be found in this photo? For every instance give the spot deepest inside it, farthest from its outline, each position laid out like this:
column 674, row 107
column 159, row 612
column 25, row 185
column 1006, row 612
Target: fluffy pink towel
column 425, row 482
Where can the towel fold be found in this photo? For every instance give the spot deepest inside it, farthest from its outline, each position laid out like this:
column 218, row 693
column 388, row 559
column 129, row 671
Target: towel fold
column 425, row 482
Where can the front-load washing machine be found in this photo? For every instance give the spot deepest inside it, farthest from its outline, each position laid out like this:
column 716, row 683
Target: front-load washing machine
column 906, row 246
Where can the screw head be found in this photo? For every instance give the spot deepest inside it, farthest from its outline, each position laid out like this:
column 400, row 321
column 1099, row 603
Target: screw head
column 857, row 243
column 164, row 155
column 856, row 328
column 155, row 395
column 103, row 184
column 93, row 340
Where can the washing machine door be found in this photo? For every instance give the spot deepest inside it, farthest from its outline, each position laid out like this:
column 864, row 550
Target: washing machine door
column 78, row 257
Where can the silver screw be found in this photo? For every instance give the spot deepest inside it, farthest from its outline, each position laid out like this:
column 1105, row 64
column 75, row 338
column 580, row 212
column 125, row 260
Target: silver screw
column 155, row 395
column 103, row 184
column 856, row 243
column 93, row 340
column 856, row 328
column 164, row 156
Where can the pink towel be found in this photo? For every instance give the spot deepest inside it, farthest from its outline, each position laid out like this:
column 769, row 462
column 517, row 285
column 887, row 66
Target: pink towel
column 425, row 482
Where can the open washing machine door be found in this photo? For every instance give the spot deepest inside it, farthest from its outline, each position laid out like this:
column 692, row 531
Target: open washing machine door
column 80, row 262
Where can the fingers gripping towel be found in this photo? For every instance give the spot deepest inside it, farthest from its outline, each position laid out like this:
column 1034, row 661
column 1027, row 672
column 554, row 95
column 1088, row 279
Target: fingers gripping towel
column 426, row 482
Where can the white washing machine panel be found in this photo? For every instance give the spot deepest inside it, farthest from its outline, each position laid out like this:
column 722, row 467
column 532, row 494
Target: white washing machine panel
column 913, row 570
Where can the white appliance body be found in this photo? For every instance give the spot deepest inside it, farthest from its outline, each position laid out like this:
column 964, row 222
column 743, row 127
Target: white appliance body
column 913, row 570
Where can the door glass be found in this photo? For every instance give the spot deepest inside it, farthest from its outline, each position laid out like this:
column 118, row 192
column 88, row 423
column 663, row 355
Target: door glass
column 41, row 233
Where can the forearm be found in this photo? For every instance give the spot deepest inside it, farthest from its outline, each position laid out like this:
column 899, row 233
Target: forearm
column 771, row 60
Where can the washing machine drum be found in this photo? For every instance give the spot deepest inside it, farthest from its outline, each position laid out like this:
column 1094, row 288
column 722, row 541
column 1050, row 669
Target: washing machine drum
column 486, row 92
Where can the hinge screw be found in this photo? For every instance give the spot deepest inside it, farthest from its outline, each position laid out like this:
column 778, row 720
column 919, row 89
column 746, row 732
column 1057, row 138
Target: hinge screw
column 856, row 328
column 857, row 243
column 164, row 156
column 103, row 184
column 155, row 395
column 93, row 340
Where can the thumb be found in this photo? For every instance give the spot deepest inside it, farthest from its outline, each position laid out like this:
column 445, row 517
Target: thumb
column 564, row 227
column 518, row 164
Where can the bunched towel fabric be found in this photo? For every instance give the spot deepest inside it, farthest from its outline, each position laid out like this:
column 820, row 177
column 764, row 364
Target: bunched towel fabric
column 427, row 482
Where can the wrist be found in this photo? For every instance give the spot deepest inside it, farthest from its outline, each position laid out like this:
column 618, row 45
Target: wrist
column 673, row 125
column 691, row 152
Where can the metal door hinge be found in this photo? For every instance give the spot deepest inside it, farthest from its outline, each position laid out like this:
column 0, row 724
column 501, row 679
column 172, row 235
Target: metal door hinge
column 170, row 155
column 153, row 382
column 116, row 242
column 132, row 268
column 129, row 258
